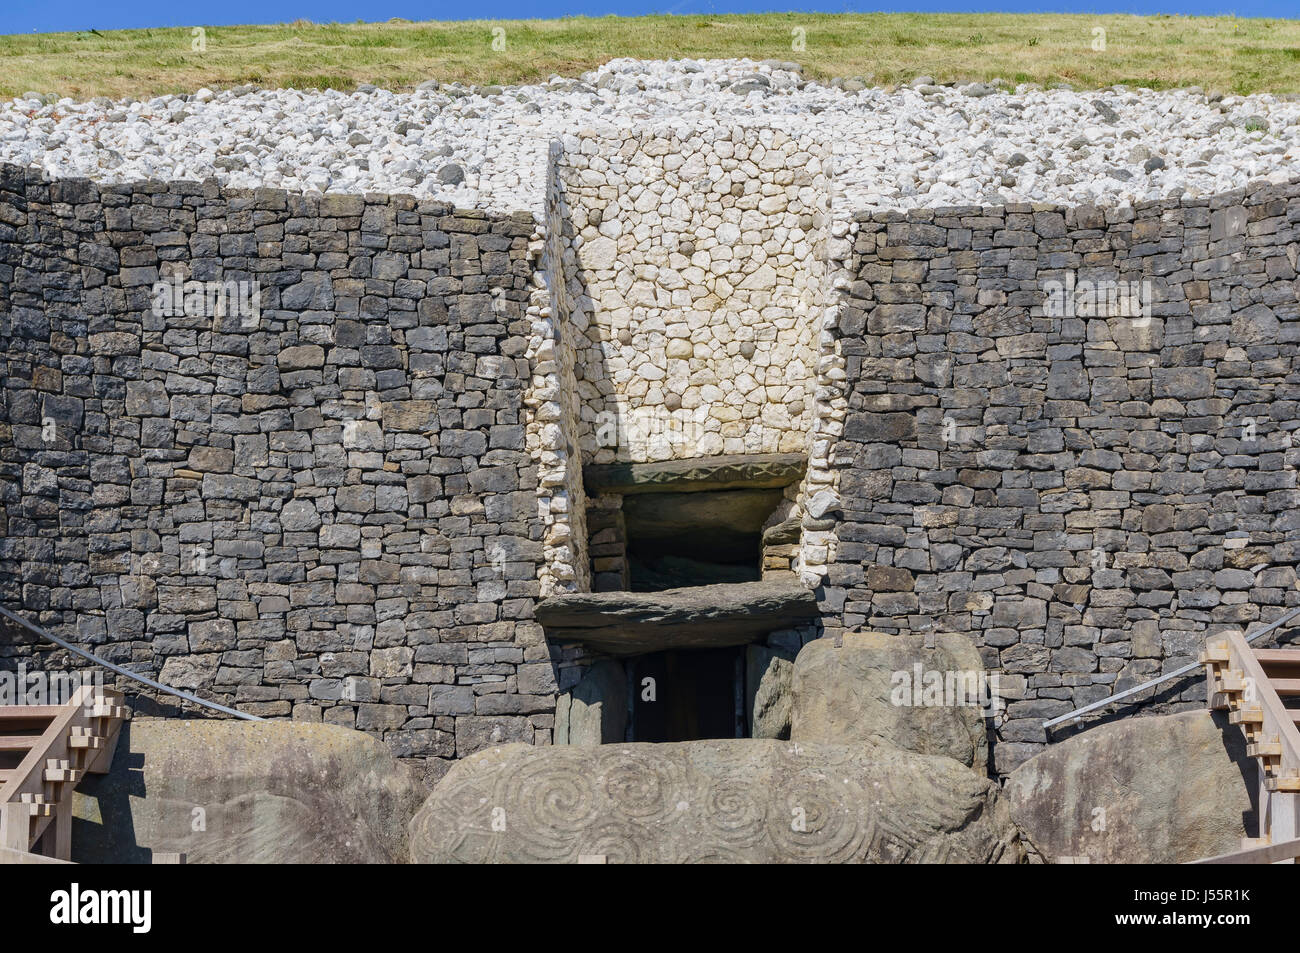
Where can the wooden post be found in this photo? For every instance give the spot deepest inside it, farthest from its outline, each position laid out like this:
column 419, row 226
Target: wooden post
column 15, row 827
column 63, row 826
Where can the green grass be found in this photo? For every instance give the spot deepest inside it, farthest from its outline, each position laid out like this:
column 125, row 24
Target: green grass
column 1219, row 53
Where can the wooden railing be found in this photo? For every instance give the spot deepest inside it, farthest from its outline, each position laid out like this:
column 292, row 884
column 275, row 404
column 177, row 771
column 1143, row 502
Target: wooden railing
column 1262, row 854
column 74, row 739
column 1236, row 681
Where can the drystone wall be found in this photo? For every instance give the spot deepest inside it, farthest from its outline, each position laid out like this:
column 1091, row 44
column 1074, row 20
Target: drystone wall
column 1085, row 474
column 344, row 505
column 315, row 502
column 695, row 269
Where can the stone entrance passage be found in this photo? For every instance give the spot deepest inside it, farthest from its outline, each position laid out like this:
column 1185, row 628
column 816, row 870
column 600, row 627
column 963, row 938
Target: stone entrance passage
column 697, row 522
column 692, row 560
column 682, row 391
column 696, row 539
column 687, row 695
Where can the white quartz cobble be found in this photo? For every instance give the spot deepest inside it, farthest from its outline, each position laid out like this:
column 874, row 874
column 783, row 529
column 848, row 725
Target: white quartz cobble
column 692, row 264
column 920, row 145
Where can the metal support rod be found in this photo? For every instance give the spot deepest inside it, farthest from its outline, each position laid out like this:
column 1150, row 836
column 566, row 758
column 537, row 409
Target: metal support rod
column 125, row 672
column 1071, row 716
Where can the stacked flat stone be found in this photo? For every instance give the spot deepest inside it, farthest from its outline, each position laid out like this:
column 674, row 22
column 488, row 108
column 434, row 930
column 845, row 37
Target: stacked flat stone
column 329, row 514
column 1088, row 497
column 347, row 509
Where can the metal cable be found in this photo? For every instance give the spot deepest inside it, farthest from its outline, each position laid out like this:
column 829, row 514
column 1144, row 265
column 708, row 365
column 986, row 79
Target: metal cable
column 125, row 671
column 1163, row 678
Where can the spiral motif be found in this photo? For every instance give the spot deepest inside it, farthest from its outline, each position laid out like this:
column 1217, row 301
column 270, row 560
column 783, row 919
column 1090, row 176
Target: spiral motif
column 619, row 842
column 810, row 821
column 547, row 802
column 711, row 802
column 455, row 823
column 713, row 853
column 735, row 812
column 641, row 785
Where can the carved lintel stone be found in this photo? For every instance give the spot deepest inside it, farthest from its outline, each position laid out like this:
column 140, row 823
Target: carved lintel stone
column 731, row 471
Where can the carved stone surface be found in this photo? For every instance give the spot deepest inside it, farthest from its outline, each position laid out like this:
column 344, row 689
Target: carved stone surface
column 630, row 623
column 728, row 472
column 712, row 801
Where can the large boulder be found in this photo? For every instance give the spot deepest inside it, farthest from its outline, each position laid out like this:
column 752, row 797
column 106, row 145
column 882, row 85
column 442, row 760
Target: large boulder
column 907, row 691
column 245, row 792
column 744, row 800
column 1162, row 790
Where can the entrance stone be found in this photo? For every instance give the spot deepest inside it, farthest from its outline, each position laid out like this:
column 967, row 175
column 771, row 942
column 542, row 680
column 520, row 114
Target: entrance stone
column 744, row 800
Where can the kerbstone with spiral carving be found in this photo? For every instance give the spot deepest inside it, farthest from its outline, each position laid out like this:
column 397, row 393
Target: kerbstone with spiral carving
column 740, row 800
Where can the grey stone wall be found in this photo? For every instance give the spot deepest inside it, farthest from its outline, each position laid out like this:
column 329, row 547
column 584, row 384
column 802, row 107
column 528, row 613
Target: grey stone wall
column 325, row 513
column 340, row 510
column 1086, row 496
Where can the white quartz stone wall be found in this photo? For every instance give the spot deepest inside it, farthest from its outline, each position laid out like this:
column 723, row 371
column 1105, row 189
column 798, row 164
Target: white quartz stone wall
column 819, row 491
column 694, row 266
column 552, row 400
column 918, row 145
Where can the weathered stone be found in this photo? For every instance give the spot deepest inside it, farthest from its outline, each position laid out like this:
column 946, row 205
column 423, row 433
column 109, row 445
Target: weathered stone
column 595, row 711
column 245, row 792
column 729, row 472
column 893, row 690
column 720, row 801
column 882, row 427
column 629, row 623
column 314, row 292
column 1147, row 790
column 769, row 675
column 1185, row 383
column 299, row 358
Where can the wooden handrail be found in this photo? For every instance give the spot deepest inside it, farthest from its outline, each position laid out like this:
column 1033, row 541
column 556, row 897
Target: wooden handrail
column 27, row 778
column 1266, row 854
column 80, row 737
column 1278, row 722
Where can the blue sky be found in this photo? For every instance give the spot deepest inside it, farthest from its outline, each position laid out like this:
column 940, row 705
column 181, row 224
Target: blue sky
column 50, row 15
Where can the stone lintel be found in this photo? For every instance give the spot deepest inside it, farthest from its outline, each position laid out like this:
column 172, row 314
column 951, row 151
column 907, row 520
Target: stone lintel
column 725, row 472
column 632, row 623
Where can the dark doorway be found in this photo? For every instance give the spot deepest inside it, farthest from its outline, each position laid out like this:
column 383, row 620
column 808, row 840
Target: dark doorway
column 676, row 540
column 687, row 695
